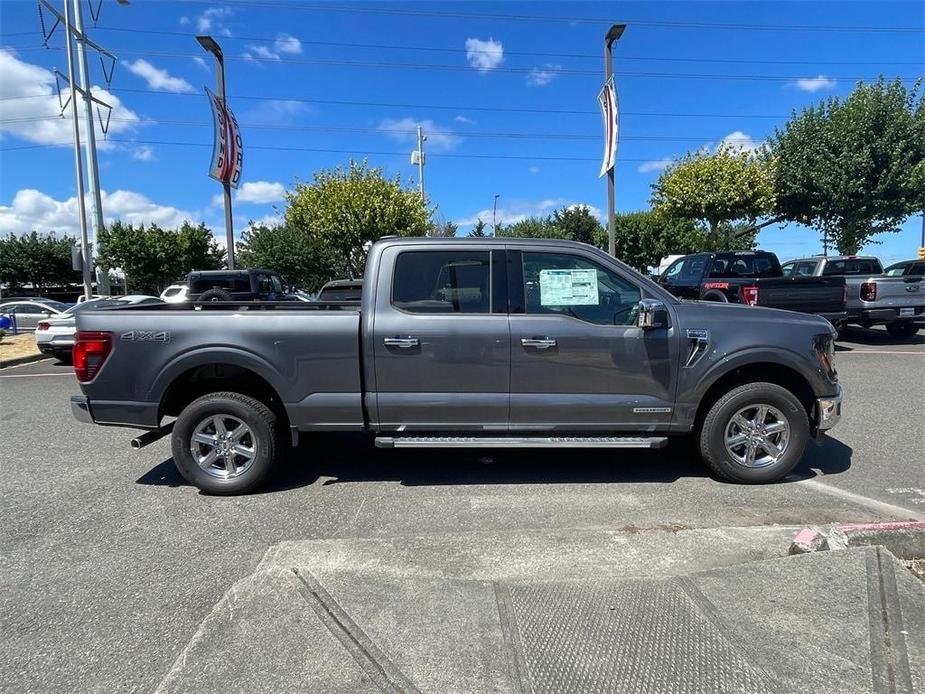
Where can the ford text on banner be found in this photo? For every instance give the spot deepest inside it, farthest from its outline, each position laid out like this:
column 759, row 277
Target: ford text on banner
column 610, row 113
column 227, row 146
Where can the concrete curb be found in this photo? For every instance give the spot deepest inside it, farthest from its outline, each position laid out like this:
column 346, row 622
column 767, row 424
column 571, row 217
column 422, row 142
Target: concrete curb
column 905, row 540
column 28, row 359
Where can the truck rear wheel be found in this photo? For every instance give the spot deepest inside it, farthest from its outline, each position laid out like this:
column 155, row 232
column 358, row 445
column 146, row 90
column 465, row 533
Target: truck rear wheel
column 902, row 329
column 755, row 433
column 225, row 443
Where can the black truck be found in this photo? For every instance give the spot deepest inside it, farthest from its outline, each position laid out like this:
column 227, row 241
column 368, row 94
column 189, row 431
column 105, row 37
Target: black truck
column 754, row 278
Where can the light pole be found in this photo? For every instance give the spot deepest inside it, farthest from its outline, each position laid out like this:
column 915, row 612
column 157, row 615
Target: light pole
column 211, row 46
column 613, row 34
column 421, row 140
column 494, row 216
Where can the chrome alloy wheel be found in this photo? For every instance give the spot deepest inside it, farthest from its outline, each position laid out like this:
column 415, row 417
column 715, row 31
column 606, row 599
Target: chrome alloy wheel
column 757, row 436
column 223, row 446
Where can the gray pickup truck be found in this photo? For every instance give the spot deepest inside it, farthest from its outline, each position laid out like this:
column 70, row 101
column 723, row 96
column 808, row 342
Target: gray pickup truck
column 872, row 298
column 487, row 343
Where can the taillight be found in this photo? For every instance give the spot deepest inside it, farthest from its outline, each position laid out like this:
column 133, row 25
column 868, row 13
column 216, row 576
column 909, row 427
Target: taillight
column 750, row 295
column 43, row 325
column 90, row 351
column 868, row 291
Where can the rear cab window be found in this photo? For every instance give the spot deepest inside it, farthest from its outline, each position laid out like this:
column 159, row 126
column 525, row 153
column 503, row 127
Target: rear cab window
column 745, row 265
column 853, row 266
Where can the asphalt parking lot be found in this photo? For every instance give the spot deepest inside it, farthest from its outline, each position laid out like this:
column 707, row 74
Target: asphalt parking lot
column 110, row 561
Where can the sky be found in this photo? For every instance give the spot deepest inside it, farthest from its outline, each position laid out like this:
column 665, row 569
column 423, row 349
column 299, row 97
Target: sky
column 506, row 94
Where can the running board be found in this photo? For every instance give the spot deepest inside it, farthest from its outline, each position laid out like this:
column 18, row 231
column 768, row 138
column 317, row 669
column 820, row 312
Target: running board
column 521, row 441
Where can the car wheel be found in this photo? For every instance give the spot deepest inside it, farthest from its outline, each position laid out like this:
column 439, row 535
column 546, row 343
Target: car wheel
column 902, row 329
column 225, row 443
column 215, row 295
column 755, row 433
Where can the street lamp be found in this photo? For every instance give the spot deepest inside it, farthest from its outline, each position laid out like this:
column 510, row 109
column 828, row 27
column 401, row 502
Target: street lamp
column 613, row 34
column 211, row 46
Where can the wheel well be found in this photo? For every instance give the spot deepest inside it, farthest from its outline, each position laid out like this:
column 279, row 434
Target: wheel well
column 765, row 372
column 715, row 296
column 213, row 378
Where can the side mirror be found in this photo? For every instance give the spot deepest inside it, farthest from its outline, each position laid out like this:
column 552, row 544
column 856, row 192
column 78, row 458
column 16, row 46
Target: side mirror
column 652, row 314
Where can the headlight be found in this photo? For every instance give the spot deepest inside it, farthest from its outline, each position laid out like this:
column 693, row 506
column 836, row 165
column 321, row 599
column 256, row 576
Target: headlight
column 824, row 349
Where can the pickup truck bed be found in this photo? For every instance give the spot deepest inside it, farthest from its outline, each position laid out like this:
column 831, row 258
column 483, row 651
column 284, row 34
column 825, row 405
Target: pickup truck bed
column 464, row 342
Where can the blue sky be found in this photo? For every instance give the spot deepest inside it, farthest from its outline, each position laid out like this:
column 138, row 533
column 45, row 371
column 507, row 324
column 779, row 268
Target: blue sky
column 488, row 81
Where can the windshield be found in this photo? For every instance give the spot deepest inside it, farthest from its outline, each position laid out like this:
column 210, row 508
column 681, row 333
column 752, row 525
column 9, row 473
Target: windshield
column 95, row 304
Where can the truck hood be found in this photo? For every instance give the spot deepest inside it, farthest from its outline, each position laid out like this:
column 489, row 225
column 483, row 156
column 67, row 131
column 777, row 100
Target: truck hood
column 713, row 311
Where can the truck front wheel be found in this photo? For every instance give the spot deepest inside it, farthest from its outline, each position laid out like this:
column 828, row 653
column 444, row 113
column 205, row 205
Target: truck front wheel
column 225, row 443
column 755, row 433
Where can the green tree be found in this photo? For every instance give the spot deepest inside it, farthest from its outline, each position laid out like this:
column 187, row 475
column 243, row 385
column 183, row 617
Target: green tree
column 577, row 223
column 724, row 187
column 443, row 228
column 478, row 229
column 346, row 209
column 300, row 258
column 531, row 228
column 43, row 260
column 153, row 257
column 642, row 239
column 854, row 168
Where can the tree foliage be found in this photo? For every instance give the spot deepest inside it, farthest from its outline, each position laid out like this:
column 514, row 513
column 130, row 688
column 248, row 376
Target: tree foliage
column 153, row 257
column 40, row 259
column 722, row 187
column 300, row 258
column 642, row 239
column 853, row 168
column 478, row 229
column 574, row 223
column 346, row 209
column 444, row 229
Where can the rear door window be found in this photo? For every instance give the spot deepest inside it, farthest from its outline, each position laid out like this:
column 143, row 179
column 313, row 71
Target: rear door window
column 442, row 282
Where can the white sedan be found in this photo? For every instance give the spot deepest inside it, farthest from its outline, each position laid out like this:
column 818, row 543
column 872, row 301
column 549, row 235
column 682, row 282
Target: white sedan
column 55, row 336
column 175, row 294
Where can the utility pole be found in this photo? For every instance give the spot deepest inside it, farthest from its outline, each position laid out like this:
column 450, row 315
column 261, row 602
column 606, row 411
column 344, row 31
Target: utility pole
column 211, row 46
column 613, row 34
column 494, row 216
column 420, row 160
column 79, row 169
column 93, row 169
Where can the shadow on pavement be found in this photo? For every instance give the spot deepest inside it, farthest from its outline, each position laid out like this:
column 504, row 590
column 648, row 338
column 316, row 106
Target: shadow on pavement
column 873, row 338
column 346, row 458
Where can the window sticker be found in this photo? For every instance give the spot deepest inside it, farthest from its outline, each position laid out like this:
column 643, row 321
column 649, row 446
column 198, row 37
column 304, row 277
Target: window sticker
column 568, row 287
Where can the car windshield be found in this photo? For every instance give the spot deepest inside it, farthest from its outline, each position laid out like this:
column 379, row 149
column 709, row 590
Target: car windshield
column 95, row 304
column 56, row 305
column 173, row 291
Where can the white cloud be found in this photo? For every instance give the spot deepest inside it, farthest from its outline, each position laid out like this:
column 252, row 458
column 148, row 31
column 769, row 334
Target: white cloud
column 484, row 55
column 278, row 112
column 464, row 120
column 534, row 170
column 210, row 20
column 739, row 141
column 37, row 117
column 541, row 76
column 814, row 84
column 143, row 153
column 405, row 130
column 257, row 53
column 33, row 209
column 157, row 78
column 287, row 44
column 260, row 192
column 183, row 21
column 218, row 200
column 513, row 211
column 655, row 165
column 201, row 63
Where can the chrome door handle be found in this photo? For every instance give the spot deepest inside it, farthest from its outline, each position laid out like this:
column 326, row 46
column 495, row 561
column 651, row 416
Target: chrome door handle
column 538, row 342
column 402, row 342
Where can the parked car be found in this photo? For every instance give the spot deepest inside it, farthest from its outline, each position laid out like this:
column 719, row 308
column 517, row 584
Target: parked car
column 754, row 278
column 236, row 285
column 29, row 311
column 341, row 290
column 873, row 297
column 83, row 297
column 906, row 268
column 55, row 336
column 175, row 294
column 470, row 343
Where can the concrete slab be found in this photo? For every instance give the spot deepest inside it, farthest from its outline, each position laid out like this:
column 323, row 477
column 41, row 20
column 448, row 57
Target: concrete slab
column 533, row 612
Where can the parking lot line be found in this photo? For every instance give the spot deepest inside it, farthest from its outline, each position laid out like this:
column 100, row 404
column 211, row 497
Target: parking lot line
column 878, row 351
column 63, row 373
column 860, row 499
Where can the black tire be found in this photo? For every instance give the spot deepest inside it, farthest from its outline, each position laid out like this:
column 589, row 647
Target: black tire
column 712, row 436
column 262, row 437
column 902, row 329
column 215, row 295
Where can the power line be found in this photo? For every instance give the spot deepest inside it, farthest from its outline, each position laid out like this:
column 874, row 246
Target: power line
column 588, row 56
column 361, row 9
column 397, row 131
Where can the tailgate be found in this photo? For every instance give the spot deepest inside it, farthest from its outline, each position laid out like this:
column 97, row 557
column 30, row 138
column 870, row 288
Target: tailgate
column 898, row 291
column 805, row 294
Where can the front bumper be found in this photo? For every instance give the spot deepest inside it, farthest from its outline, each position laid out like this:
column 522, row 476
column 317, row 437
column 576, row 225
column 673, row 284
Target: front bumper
column 80, row 408
column 828, row 411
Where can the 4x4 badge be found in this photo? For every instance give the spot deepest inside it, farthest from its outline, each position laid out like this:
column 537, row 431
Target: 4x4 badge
column 146, row 336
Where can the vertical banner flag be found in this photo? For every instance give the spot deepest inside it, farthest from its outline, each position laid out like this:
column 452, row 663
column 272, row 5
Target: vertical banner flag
column 227, row 146
column 610, row 113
